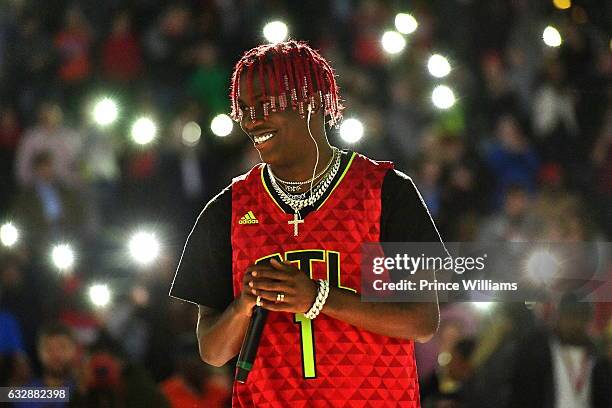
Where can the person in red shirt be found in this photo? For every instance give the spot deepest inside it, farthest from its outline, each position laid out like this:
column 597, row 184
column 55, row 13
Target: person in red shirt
column 73, row 44
column 10, row 135
column 194, row 384
column 306, row 210
column 121, row 52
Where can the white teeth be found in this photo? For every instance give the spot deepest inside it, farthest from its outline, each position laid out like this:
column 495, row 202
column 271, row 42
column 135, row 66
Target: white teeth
column 263, row 138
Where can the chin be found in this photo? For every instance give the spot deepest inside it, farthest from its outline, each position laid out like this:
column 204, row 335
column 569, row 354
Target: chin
column 271, row 158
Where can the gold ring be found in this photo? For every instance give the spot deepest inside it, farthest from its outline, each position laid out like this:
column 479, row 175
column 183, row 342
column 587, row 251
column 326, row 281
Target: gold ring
column 258, row 301
column 280, row 297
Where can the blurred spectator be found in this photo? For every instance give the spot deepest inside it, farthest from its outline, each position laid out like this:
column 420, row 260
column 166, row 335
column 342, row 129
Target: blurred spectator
column 102, row 175
column 577, row 54
column 560, row 368
column 359, row 90
column 513, row 222
column 465, row 181
column 405, row 121
column 75, row 310
column 59, row 355
column 167, row 49
column 521, row 74
column 369, row 19
column 594, row 96
column 602, row 163
column 511, row 159
column 185, row 168
column 493, row 24
column 428, row 182
column 5, row 21
column 121, row 52
column 32, row 61
column 73, row 43
column 169, row 320
column 14, row 365
column 14, row 362
column 195, row 384
column 460, row 203
column 109, row 380
column 607, row 344
column 457, row 320
column 563, row 217
column 554, row 116
column 210, row 81
column 140, row 181
column 47, row 211
column 499, row 99
column 20, row 287
column 447, row 387
column 49, row 135
column 375, row 144
column 524, row 55
column 494, row 360
column 10, row 133
column 129, row 325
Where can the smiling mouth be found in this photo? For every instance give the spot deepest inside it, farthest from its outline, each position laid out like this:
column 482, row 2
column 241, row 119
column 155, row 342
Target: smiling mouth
column 262, row 138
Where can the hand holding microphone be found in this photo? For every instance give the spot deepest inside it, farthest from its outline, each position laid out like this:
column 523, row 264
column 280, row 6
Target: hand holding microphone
column 249, row 305
column 272, row 286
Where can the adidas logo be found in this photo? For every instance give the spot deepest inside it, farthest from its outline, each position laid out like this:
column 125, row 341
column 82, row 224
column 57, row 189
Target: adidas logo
column 248, row 218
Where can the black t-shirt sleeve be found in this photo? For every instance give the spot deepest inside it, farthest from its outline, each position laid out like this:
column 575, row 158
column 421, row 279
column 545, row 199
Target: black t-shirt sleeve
column 204, row 273
column 404, row 216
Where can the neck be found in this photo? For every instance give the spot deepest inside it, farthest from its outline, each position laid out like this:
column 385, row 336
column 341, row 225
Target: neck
column 303, row 169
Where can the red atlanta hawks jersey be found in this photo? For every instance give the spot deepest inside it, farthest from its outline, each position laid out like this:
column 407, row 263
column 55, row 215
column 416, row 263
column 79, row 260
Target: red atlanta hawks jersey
column 322, row 362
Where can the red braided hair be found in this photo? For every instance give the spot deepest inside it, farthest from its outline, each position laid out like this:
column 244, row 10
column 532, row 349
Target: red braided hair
column 296, row 74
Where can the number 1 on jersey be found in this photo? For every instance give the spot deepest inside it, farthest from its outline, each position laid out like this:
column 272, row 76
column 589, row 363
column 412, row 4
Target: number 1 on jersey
column 307, row 344
column 304, row 259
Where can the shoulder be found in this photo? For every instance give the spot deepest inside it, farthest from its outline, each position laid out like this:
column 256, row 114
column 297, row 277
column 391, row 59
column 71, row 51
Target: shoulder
column 404, row 216
column 364, row 172
column 216, row 211
column 400, row 193
column 358, row 159
column 394, row 182
column 201, row 276
column 254, row 173
column 399, row 184
column 397, row 177
column 221, row 198
column 217, row 207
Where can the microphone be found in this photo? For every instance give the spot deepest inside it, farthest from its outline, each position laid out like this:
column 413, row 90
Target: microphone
column 250, row 344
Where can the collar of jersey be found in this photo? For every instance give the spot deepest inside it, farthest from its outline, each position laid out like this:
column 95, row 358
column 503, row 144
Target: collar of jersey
column 345, row 164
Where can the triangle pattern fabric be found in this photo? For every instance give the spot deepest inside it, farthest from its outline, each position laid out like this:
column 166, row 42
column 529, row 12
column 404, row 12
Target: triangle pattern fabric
column 353, row 367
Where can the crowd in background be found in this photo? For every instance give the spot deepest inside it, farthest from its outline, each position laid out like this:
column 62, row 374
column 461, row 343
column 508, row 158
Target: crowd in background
column 524, row 154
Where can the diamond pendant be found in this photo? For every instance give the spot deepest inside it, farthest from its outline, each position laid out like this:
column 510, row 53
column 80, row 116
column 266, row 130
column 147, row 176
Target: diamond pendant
column 295, row 222
column 292, row 189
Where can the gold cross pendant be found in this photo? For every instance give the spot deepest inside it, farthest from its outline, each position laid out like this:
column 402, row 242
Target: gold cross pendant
column 296, row 220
